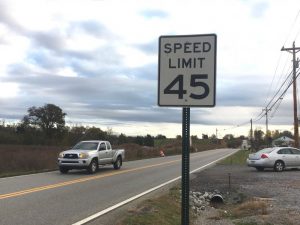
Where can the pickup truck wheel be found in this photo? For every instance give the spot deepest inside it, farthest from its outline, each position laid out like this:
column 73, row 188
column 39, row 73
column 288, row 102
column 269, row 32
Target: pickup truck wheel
column 118, row 163
column 93, row 167
column 63, row 169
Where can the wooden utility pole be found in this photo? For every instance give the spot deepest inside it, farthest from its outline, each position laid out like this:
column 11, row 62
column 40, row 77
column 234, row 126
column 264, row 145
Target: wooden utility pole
column 267, row 121
column 294, row 50
column 251, row 137
column 267, row 137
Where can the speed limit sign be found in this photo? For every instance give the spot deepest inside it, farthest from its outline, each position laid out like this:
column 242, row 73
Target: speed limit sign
column 187, row 70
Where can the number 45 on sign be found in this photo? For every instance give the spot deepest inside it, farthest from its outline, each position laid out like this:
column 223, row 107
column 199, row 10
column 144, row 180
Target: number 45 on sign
column 187, row 70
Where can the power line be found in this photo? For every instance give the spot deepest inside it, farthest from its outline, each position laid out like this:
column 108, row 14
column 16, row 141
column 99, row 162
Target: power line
column 280, row 88
column 280, row 98
column 282, row 73
column 236, row 126
column 259, row 117
column 273, row 77
column 277, row 106
column 261, row 114
column 279, row 101
column 294, row 50
column 283, row 93
column 287, row 37
column 292, row 26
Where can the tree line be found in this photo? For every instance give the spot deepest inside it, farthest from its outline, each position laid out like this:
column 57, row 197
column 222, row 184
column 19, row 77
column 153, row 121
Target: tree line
column 259, row 139
column 46, row 126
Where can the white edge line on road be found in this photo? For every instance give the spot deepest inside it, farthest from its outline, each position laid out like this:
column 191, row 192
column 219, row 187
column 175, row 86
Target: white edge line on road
column 107, row 210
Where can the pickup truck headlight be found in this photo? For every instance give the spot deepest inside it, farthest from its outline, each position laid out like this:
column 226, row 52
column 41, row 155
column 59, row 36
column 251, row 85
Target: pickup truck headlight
column 83, row 156
column 61, row 155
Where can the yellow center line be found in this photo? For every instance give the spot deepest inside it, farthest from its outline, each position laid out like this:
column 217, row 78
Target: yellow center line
column 62, row 184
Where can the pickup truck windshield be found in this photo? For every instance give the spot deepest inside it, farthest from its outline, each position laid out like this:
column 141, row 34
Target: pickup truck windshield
column 86, row 146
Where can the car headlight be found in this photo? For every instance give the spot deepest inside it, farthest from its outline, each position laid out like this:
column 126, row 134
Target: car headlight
column 83, row 156
column 61, row 155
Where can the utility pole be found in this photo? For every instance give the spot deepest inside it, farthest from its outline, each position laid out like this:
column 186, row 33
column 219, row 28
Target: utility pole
column 267, row 121
column 294, row 50
column 251, row 137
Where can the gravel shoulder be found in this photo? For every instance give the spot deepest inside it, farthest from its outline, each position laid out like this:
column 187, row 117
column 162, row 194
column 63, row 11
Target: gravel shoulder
column 277, row 192
column 250, row 198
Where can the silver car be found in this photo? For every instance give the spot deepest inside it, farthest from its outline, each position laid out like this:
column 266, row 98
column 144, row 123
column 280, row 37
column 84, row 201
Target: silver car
column 277, row 158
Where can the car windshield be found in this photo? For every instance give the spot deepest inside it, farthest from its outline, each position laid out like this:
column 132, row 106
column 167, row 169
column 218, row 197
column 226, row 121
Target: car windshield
column 86, row 146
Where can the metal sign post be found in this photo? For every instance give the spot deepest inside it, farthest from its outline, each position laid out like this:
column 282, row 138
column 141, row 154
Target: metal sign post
column 185, row 177
column 187, row 78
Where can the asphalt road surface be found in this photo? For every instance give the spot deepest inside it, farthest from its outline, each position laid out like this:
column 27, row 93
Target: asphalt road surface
column 54, row 198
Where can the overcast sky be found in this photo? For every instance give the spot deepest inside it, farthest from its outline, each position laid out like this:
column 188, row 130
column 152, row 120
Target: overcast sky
column 98, row 61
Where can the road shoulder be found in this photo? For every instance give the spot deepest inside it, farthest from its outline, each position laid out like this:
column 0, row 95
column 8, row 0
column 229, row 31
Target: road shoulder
column 250, row 197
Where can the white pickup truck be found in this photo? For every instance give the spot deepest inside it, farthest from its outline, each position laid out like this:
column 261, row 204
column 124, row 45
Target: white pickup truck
column 89, row 155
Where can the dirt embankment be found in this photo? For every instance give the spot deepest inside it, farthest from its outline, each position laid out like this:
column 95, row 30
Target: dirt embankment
column 250, row 197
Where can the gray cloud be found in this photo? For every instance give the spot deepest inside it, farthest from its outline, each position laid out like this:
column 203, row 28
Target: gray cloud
column 152, row 13
column 45, row 59
column 94, row 91
column 124, row 97
column 107, row 90
column 150, row 48
column 147, row 72
column 90, row 27
column 52, row 40
column 7, row 20
column 242, row 93
column 259, row 9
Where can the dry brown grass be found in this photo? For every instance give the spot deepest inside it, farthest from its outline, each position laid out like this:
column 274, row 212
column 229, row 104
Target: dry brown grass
column 22, row 158
column 135, row 151
column 250, row 208
column 163, row 210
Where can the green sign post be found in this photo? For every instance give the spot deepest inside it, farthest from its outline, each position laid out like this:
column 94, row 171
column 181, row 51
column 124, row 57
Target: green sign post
column 185, row 169
column 187, row 78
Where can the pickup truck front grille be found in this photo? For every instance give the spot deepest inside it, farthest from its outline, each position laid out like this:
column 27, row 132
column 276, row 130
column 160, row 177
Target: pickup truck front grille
column 69, row 162
column 71, row 156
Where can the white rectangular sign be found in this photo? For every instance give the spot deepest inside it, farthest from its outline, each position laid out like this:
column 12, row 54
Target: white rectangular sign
column 187, row 70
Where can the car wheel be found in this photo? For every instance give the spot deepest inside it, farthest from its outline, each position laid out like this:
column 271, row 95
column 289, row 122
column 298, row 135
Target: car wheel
column 279, row 166
column 63, row 169
column 118, row 163
column 259, row 168
column 93, row 167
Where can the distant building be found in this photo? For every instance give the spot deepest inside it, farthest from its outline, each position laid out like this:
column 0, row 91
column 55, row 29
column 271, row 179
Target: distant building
column 245, row 145
column 283, row 141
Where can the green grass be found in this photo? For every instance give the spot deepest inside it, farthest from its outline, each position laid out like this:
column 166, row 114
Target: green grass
column 238, row 158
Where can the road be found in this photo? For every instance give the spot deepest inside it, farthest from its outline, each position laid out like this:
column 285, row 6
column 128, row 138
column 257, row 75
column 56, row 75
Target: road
column 54, row 198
